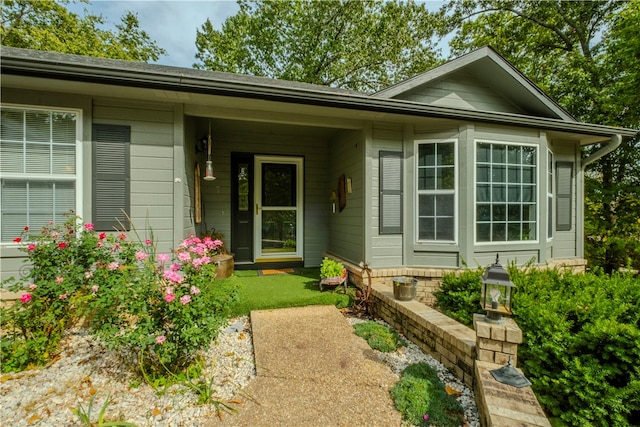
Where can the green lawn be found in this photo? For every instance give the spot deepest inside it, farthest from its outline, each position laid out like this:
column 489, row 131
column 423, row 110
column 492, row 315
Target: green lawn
column 284, row 290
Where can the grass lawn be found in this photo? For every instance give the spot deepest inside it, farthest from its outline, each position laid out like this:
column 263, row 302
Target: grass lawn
column 284, row 290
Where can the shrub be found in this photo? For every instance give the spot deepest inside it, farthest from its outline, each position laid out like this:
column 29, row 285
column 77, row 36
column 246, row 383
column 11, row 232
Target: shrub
column 422, row 398
column 330, row 268
column 459, row 295
column 581, row 341
column 163, row 311
column 53, row 292
column 379, row 337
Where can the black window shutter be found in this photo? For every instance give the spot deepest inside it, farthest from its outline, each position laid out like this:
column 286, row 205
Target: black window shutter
column 111, row 193
column 390, row 209
column 564, row 187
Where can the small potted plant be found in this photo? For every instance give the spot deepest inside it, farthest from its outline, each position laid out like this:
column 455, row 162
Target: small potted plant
column 332, row 273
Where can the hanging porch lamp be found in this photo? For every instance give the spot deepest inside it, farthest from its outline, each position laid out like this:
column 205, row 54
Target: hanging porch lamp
column 208, row 170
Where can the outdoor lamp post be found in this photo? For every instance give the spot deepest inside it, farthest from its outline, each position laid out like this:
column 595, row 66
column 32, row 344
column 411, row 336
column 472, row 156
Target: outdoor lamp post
column 497, row 293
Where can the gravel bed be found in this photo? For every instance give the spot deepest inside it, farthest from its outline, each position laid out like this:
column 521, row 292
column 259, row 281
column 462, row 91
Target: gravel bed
column 45, row 397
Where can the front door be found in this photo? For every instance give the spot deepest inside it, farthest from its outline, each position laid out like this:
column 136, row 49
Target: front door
column 278, row 220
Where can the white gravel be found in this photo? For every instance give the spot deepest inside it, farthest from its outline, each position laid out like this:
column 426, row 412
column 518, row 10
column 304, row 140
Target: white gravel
column 45, row 397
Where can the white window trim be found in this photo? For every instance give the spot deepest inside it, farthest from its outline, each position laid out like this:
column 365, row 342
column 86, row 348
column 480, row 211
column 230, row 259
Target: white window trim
column 475, row 191
column 57, row 177
column 456, row 192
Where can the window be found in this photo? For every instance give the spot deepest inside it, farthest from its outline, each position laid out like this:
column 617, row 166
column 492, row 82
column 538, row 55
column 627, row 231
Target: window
column 390, row 209
column 436, row 174
column 549, row 194
column 506, row 192
column 39, row 168
column 111, row 179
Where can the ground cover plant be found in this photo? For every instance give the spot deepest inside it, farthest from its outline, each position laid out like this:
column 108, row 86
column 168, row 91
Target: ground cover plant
column 379, row 337
column 581, row 340
column 423, row 400
column 298, row 289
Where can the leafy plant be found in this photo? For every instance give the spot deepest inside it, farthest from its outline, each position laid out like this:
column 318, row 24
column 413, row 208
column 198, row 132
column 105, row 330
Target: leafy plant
column 163, row 310
column 379, row 337
column 84, row 415
column 55, row 290
column 581, row 340
column 331, row 268
column 422, row 398
column 459, row 295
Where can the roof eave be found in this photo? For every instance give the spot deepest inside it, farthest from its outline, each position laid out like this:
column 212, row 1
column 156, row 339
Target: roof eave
column 173, row 80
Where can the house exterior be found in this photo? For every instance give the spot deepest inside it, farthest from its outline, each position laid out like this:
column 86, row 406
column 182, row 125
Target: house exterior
column 440, row 171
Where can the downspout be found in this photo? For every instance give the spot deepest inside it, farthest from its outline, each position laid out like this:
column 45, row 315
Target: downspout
column 607, row 148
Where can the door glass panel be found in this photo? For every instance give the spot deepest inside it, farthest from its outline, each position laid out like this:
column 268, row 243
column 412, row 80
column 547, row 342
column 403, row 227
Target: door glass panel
column 278, row 231
column 243, row 187
column 278, row 184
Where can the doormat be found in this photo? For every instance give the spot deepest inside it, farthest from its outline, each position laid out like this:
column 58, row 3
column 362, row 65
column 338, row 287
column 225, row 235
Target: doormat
column 278, row 271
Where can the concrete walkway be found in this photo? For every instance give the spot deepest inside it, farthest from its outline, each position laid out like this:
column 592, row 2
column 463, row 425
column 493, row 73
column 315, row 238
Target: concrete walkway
column 312, row 370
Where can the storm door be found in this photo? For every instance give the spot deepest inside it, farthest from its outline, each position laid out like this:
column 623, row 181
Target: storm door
column 278, row 221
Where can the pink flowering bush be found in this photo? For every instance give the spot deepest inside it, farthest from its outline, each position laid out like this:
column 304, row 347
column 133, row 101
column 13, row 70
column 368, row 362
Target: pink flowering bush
column 163, row 309
column 61, row 259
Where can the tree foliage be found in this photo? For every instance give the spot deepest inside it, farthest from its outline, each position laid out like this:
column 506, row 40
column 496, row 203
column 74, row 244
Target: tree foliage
column 585, row 56
column 48, row 25
column 361, row 45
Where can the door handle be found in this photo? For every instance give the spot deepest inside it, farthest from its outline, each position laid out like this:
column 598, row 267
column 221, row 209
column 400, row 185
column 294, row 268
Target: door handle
column 257, row 208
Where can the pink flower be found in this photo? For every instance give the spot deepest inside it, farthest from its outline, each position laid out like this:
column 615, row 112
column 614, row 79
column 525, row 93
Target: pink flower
column 32, row 287
column 99, row 244
column 163, row 257
column 59, row 279
column 175, row 266
column 17, row 239
column 101, row 236
column 148, row 241
column 169, row 297
column 185, row 299
column 89, row 226
column 122, row 236
column 169, row 290
column 54, row 235
column 184, row 256
column 63, row 296
column 25, row 298
column 113, row 266
column 140, row 256
column 31, row 247
column 173, row 277
column 95, row 288
column 194, row 290
column 160, row 339
column 62, row 245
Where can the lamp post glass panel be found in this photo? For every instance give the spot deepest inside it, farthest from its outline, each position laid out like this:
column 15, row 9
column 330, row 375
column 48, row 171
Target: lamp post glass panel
column 497, row 292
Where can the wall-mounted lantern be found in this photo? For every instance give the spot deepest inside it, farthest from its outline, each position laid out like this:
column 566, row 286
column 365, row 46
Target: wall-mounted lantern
column 497, row 293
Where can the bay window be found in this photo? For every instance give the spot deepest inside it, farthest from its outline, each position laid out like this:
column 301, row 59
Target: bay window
column 506, row 192
column 436, row 175
column 39, row 168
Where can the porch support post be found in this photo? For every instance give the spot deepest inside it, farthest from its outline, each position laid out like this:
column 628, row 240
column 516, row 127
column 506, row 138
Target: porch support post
column 179, row 175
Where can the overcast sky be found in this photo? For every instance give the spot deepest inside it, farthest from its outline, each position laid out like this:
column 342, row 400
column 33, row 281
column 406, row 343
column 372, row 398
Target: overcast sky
column 172, row 23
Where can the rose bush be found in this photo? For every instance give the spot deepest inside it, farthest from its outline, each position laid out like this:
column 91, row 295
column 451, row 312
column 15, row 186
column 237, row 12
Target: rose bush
column 162, row 309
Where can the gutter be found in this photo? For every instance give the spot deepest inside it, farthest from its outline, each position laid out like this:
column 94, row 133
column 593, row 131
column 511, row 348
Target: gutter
column 607, row 148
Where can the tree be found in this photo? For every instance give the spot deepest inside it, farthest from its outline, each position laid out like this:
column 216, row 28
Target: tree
column 584, row 54
column 48, row 25
column 362, row 45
